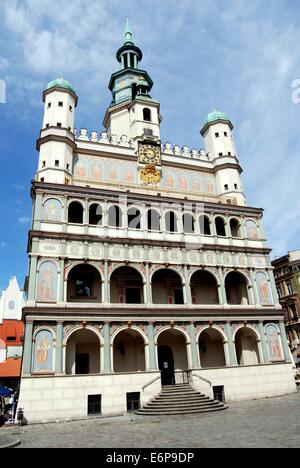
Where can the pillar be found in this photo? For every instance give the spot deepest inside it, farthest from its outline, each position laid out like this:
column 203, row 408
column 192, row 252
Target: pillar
column 107, row 355
column 106, row 292
column 32, row 278
column 152, row 356
column 59, row 348
column 61, row 296
column 194, row 353
column 286, row 349
column 27, row 353
column 230, row 343
column 263, row 341
column 148, row 298
column 187, row 286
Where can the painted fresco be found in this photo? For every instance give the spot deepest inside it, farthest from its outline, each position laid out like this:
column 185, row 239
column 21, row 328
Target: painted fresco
column 263, row 289
column 47, row 283
column 43, row 352
column 129, row 174
column 273, row 343
column 113, row 171
column 169, row 180
column 97, row 171
column 81, row 168
column 252, row 230
column 197, row 184
column 52, row 210
column 210, row 185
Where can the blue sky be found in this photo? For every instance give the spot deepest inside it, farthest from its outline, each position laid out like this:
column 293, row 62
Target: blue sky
column 236, row 56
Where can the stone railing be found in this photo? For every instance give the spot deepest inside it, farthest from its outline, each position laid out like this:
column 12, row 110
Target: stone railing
column 125, row 141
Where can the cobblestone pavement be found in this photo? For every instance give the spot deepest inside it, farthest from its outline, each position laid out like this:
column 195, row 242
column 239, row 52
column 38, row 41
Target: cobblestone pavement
column 262, row 423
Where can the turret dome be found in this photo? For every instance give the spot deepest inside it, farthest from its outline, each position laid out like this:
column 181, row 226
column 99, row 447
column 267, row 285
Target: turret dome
column 215, row 116
column 61, row 83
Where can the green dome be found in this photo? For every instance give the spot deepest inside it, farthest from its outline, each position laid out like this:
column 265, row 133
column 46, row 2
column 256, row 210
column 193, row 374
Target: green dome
column 214, row 116
column 61, row 83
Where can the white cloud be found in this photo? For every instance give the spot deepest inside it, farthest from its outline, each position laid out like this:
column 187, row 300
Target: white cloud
column 23, row 220
column 2, row 245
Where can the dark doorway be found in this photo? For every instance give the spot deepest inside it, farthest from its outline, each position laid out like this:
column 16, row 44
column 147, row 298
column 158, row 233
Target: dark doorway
column 178, row 296
column 133, row 401
column 82, row 364
column 166, row 365
column 219, row 393
column 133, row 296
column 94, row 405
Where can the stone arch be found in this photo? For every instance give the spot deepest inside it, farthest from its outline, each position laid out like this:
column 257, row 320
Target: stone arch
column 237, row 286
column 128, row 349
column 84, row 283
column 235, row 227
column 205, row 224
column 172, row 353
column 153, row 222
column 220, row 224
column 188, row 222
column 41, row 328
column 175, row 327
column 126, row 285
column 247, row 340
column 95, row 214
column 213, row 327
column 131, row 265
column 134, row 217
column 171, row 221
column 115, row 215
column 82, row 351
column 81, row 327
column 204, row 287
column 211, row 347
column 131, row 327
column 75, row 211
column 169, row 267
column 167, row 286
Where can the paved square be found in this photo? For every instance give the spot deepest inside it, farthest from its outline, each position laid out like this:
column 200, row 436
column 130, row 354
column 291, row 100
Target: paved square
column 262, row 423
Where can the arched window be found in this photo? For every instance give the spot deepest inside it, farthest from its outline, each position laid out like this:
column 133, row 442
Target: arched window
column 171, row 221
column 115, row 216
column 188, row 223
column 153, row 220
column 167, row 287
column 147, row 114
column 236, row 289
column 204, row 225
column 234, row 228
column 95, row 215
column 75, row 213
column 134, row 218
column 129, row 351
column 220, row 226
column 126, row 286
column 84, row 284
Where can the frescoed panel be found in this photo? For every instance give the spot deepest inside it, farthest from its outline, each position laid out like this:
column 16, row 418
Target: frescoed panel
column 43, row 353
column 263, row 288
column 113, row 171
column 97, row 170
column 252, row 230
column 81, row 168
column 197, row 184
column 183, row 181
column 209, row 184
column 129, row 174
column 273, row 343
column 169, row 179
column 52, row 210
column 47, row 283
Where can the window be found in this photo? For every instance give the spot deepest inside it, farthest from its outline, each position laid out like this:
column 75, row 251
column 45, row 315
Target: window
column 114, row 216
column 95, row 215
column 59, row 124
column 225, row 134
column 217, row 135
column 68, row 167
column 94, row 404
column 42, row 179
column 220, row 227
column 44, row 164
column 204, row 224
column 49, row 105
column 229, row 153
column 147, row 114
column 220, row 154
column 60, row 104
column 71, row 108
column 75, row 213
column 236, row 186
column 83, row 288
column 171, row 221
column 226, row 186
column 47, row 125
column 56, row 163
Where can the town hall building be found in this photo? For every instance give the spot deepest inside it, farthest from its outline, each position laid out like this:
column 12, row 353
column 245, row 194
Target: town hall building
column 147, row 268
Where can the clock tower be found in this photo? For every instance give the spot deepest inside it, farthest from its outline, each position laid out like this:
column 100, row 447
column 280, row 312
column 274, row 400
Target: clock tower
column 132, row 111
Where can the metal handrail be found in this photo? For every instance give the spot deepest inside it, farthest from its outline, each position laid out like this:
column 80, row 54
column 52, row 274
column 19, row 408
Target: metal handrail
column 202, row 378
column 151, row 382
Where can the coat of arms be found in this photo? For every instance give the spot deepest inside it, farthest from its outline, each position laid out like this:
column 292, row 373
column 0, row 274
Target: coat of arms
column 149, row 175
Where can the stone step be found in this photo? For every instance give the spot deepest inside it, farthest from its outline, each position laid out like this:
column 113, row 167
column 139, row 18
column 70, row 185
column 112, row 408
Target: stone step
column 159, row 405
column 183, row 411
column 179, row 399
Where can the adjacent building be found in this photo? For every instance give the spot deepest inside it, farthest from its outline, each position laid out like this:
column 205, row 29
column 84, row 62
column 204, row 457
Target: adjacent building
column 11, row 335
column 287, row 278
column 146, row 265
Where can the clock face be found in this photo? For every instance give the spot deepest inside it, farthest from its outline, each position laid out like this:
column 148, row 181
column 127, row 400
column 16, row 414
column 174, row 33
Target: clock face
column 149, row 154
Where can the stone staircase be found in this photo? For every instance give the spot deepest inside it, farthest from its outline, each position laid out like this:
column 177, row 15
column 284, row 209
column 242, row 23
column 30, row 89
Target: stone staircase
column 180, row 399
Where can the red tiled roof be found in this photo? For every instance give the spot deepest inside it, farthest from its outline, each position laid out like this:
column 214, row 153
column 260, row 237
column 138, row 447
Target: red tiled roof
column 11, row 368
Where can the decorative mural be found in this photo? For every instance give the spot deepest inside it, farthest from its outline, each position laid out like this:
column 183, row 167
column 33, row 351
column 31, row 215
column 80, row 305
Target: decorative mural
column 273, row 342
column 252, row 230
column 52, row 210
column 81, row 168
column 47, row 283
column 263, row 288
column 97, row 171
column 43, row 353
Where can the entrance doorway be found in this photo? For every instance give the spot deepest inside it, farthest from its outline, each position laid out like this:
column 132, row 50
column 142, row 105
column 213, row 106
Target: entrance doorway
column 166, row 365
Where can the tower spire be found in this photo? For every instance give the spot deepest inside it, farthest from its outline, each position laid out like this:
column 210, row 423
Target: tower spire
column 128, row 32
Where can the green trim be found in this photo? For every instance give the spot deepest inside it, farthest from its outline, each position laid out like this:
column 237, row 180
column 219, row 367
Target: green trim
column 195, row 360
column 152, row 356
column 107, row 357
column 27, row 348
column 231, row 347
column 59, row 348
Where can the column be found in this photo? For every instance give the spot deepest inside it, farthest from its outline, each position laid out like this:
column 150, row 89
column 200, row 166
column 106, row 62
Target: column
column 61, row 296
column 222, row 288
column 37, row 212
column 263, row 342
column 254, row 288
column 286, row 349
column 194, row 352
column 107, row 356
column 106, row 295
column 59, row 348
column 187, row 286
column 152, row 356
column 148, row 299
column 230, row 343
column 32, row 278
column 27, row 353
